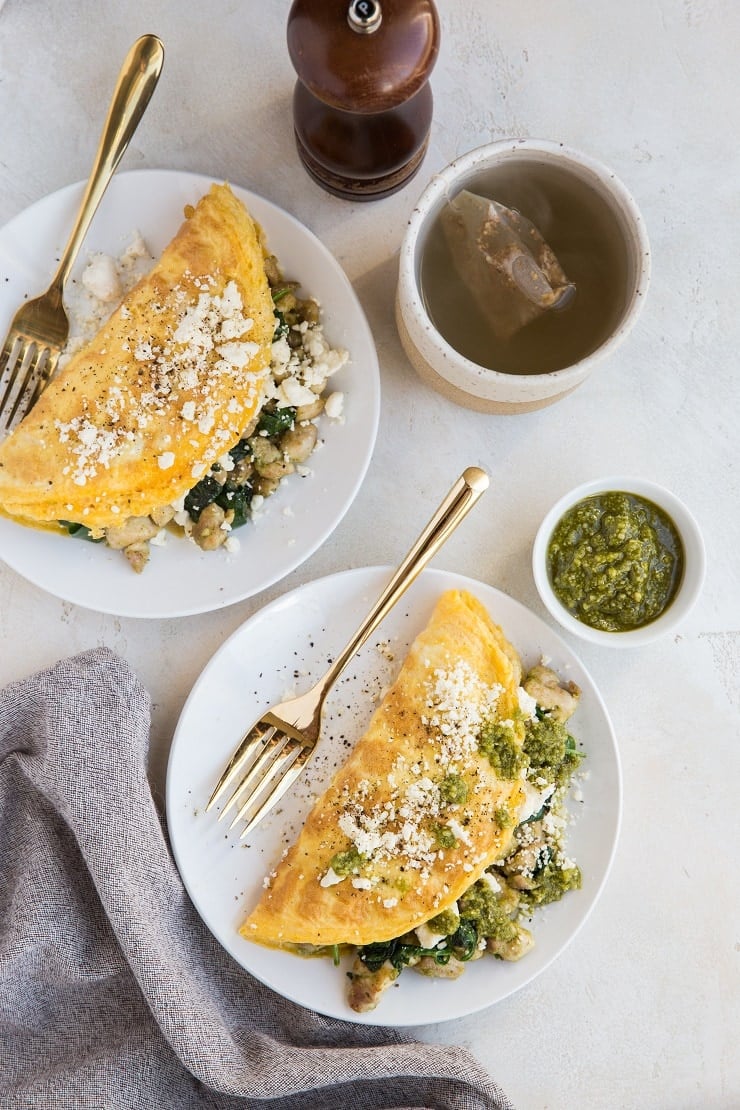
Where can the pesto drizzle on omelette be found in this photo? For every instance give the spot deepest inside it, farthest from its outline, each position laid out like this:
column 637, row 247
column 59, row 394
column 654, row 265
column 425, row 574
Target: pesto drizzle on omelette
column 427, row 848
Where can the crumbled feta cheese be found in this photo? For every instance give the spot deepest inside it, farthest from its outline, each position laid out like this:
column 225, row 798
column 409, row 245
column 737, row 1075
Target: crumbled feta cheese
column 136, row 250
column 237, row 354
column 210, row 338
column 334, row 406
column 361, row 883
column 331, row 878
column 428, row 938
column 534, row 800
column 459, row 831
column 101, row 279
column 527, row 704
column 292, row 392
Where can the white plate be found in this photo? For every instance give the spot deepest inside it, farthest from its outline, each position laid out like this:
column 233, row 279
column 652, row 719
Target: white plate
column 180, row 578
column 285, row 647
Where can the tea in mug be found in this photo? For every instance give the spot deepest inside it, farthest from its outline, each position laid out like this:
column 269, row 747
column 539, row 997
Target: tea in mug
column 584, row 234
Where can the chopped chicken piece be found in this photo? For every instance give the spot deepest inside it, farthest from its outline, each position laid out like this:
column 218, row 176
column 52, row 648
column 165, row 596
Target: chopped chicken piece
column 561, row 699
column 367, row 986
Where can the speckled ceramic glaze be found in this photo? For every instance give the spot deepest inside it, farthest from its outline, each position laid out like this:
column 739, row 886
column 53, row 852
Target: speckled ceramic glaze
column 438, row 363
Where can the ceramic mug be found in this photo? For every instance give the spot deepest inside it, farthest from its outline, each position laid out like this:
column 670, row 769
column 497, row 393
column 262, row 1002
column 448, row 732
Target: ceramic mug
column 443, row 367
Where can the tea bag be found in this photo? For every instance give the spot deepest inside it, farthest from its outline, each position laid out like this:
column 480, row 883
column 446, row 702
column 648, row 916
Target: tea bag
column 510, row 271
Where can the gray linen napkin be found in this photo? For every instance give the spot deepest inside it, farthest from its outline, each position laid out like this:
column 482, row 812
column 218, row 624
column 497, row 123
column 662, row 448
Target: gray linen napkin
column 112, row 992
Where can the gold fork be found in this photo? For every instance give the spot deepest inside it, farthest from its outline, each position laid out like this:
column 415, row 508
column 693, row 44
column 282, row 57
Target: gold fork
column 40, row 327
column 275, row 750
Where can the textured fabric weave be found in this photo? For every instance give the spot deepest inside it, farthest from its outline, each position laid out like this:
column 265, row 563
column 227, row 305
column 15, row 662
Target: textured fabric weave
column 113, row 994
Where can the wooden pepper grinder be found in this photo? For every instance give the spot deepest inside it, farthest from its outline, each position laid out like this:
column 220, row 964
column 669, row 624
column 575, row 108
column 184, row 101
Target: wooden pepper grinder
column 362, row 105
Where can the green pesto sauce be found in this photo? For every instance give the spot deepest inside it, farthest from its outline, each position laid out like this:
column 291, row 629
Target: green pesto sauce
column 483, row 907
column 615, row 561
column 551, row 749
column 499, row 744
column 545, row 741
column 453, row 790
column 346, row 863
column 503, row 817
column 444, row 836
column 445, row 923
column 550, row 884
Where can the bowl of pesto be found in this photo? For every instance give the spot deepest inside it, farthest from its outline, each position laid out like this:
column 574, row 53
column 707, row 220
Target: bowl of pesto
column 619, row 561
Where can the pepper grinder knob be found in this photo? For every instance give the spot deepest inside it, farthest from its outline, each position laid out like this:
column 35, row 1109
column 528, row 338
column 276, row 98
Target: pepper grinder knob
column 362, row 105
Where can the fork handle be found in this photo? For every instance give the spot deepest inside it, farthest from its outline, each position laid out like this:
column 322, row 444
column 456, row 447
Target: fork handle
column 467, row 490
column 136, row 83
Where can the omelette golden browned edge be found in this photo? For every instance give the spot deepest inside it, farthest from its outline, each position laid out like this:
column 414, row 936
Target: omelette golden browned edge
column 163, row 390
column 385, row 805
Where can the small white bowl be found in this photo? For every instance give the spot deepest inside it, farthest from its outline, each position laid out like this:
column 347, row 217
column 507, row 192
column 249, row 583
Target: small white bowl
column 693, row 569
column 434, row 359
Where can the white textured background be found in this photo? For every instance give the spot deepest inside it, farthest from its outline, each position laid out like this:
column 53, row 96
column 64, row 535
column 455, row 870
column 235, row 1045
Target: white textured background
column 643, row 1009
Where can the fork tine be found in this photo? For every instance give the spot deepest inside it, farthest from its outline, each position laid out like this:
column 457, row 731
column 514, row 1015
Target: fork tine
column 259, row 771
column 9, row 361
column 266, row 788
column 240, row 760
column 34, row 367
column 45, row 370
column 23, row 361
column 10, row 350
column 287, row 777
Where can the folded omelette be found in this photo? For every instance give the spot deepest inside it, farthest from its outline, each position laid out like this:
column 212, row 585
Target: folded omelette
column 419, row 810
column 164, row 389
